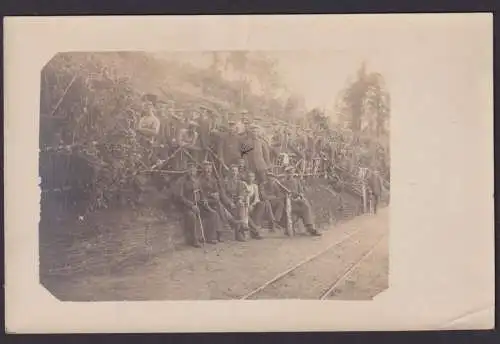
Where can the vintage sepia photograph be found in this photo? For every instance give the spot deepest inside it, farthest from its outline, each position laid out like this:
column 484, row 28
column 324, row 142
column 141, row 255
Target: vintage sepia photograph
column 248, row 173
column 213, row 175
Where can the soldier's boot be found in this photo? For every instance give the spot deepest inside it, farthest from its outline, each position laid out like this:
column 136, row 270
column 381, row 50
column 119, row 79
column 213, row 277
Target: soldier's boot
column 254, row 233
column 239, row 233
column 275, row 226
column 311, row 230
column 219, row 236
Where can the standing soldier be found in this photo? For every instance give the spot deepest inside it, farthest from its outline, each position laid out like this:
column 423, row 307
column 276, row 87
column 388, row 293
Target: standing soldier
column 362, row 175
column 300, row 206
column 258, row 152
column 375, row 186
column 149, row 126
column 270, row 206
column 188, row 140
column 228, row 149
column 195, row 209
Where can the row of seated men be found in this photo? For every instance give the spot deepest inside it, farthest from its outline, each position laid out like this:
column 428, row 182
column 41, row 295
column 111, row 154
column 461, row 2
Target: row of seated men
column 238, row 203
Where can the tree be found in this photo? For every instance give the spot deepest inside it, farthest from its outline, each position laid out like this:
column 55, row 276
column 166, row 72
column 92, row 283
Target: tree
column 294, row 106
column 365, row 103
column 318, row 118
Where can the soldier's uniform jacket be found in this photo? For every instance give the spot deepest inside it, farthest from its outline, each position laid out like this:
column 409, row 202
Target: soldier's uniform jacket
column 190, row 192
column 209, row 185
column 229, row 148
column 235, row 188
column 294, row 185
column 258, row 158
column 269, row 190
column 375, row 184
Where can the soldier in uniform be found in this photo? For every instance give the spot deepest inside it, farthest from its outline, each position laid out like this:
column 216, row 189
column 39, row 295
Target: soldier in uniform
column 211, row 190
column 234, row 198
column 200, row 219
column 261, row 208
column 228, row 149
column 188, row 140
column 300, row 205
column 258, row 157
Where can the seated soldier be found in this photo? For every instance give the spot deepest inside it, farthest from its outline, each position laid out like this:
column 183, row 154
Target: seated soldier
column 260, row 207
column 200, row 219
column 210, row 187
column 234, row 198
column 300, row 205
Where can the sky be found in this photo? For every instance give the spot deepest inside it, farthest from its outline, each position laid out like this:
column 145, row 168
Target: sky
column 316, row 75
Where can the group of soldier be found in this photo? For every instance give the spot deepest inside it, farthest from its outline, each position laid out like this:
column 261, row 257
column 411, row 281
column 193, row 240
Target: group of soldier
column 238, row 203
column 233, row 183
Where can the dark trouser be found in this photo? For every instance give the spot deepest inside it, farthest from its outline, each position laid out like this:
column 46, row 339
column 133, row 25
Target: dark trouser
column 238, row 218
column 192, row 226
column 260, row 175
column 261, row 210
column 302, row 209
column 278, row 207
column 224, row 216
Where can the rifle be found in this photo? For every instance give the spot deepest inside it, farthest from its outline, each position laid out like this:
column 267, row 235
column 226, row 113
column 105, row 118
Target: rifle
column 200, row 222
column 288, row 208
column 219, row 159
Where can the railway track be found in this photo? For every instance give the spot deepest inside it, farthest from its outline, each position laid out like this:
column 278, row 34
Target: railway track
column 340, row 259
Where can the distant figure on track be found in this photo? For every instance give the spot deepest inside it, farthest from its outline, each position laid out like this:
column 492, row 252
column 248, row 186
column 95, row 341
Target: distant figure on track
column 375, row 189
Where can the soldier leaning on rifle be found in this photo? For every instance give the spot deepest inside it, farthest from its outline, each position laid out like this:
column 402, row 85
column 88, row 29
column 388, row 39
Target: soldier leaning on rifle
column 211, row 189
column 261, row 196
column 300, row 205
column 200, row 220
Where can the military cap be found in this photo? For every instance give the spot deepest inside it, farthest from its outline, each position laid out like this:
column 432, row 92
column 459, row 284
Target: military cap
column 193, row 124
column 231, row 123
column 206, row 162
